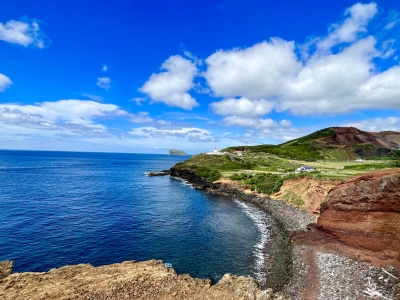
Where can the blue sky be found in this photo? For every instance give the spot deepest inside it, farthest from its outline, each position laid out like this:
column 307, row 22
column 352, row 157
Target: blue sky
column 146, row 76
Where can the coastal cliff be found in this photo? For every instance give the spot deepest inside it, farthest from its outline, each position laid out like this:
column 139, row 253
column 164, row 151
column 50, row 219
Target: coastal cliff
column 361, row 219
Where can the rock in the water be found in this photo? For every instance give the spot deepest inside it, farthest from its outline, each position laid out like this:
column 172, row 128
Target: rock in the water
column 159, row 173
column 5, row 268
column 176, row 152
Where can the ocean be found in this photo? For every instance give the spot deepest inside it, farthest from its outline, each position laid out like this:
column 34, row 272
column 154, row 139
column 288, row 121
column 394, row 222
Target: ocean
column 64, row 208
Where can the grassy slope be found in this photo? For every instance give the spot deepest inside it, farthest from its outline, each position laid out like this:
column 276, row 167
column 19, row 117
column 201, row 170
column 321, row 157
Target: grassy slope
column 310, row 148
column 303, row 148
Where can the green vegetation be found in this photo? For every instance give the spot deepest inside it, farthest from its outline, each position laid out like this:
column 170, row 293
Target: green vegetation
column 265, row 183
column 365, row 167
column 315, row 147
column 311, row 137
column 217, row 162
column 208, row 174
column 303, row 148
column 262, row 167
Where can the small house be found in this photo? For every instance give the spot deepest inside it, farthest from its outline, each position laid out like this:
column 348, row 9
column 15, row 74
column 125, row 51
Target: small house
column 304, row 169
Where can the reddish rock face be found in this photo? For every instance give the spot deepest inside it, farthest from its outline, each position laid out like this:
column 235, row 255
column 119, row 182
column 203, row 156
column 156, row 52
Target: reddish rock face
column 364, row 212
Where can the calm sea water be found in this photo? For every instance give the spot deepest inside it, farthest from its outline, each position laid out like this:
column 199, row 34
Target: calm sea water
column 61, row 208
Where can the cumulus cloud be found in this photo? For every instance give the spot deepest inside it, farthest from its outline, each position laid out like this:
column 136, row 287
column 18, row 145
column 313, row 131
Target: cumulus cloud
column 104, row 83
column 338, row 74
column 377, row 124
column 67, row 117
column 249, row 122
column 105, row 68
column 256, row 72
column 164, row 123
column 285, row 123
column 171, row 86
column 242, row 107
column 191, row 134
column 4, row 82
column 141, row 117
column 357, row 18
column 23, row 33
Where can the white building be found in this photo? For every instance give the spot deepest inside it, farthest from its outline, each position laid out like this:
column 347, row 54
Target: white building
column 215, row 152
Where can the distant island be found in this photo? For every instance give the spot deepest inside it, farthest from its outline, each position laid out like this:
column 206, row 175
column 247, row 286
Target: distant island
column 176, row 152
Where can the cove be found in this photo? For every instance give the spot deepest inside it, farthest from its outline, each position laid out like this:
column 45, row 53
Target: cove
column 63, row 208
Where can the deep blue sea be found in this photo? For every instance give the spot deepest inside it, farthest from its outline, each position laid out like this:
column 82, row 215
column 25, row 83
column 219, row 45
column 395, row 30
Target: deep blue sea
column 62, row 208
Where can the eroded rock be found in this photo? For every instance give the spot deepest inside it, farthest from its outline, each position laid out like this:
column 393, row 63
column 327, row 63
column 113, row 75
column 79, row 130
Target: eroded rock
column 128, row 280
column 5, row 268
column 361, row 218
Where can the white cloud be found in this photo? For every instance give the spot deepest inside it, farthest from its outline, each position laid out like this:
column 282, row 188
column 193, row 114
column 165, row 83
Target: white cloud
column 377, row 124
column 138, row 101
column 171, row 87
column 22, row 33
column 358, row 16
column 242, row 107
column 256, row 72
column 164, row 123
column 193, row 57
column 104, row 83
column 331, row 83
column 262, row 128
column 93, row 97
column 285, row 123
column 141, row 117
column 280, row 134
column 249, row 122
column 66, row 117
column 105, row 68
column 4, row 82
column 191, row 134
column 328, row 80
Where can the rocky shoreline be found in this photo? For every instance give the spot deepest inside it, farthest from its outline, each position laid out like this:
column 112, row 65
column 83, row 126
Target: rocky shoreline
column 284, row 263
column 310, row 273
column 294, row 271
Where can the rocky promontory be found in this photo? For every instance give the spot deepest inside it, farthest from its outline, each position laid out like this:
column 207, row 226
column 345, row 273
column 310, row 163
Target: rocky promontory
column 127, row 280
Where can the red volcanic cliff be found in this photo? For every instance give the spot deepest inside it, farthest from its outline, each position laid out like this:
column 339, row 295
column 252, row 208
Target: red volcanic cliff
column 352, row 136
column 361, row 218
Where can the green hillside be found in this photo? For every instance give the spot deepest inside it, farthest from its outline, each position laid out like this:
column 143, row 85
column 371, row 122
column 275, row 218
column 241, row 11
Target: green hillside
column 333, row 143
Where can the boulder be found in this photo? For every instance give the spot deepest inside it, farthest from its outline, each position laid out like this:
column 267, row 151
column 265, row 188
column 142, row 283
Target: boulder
column 5, row 268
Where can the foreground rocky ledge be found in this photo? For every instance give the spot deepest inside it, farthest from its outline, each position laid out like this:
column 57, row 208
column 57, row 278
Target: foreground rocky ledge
column 127, row 280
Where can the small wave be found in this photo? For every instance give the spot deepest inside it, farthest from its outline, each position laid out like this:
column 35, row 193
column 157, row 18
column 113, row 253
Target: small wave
column 258, row 217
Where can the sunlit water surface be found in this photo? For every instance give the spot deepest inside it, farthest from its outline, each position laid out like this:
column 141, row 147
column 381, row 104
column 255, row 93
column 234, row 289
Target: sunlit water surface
column 63, row 208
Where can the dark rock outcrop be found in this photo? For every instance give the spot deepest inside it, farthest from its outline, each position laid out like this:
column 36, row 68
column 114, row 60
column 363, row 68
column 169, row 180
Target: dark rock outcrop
column 361, row 219
column 5, row 268
column 159, row 173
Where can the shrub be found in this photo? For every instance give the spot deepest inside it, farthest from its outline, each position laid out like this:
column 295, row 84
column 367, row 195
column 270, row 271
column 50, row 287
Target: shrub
column 208, row 174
